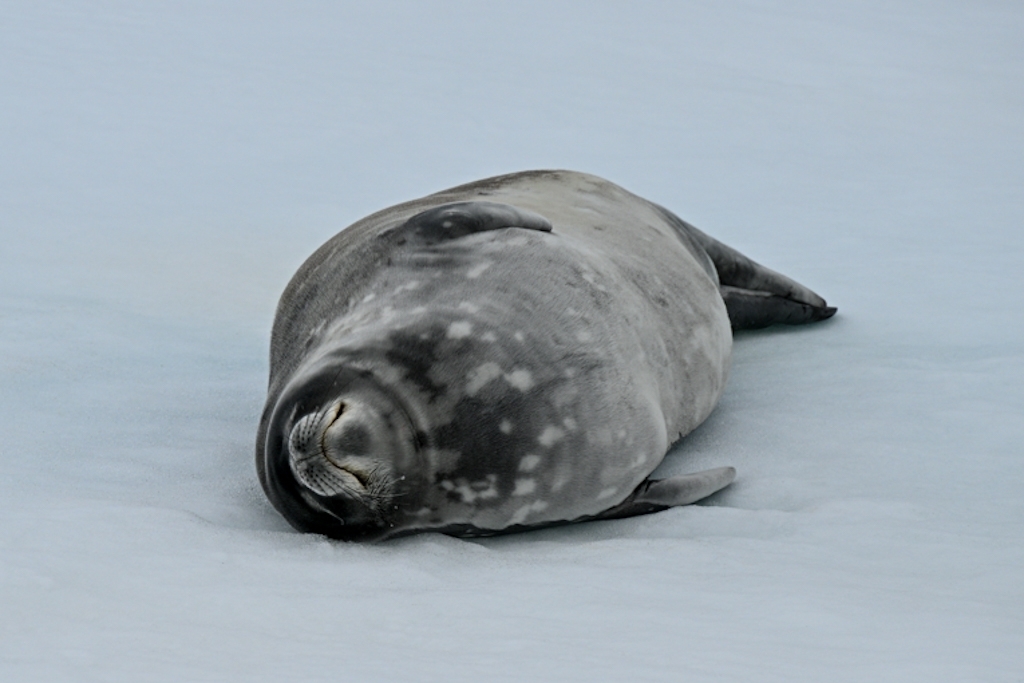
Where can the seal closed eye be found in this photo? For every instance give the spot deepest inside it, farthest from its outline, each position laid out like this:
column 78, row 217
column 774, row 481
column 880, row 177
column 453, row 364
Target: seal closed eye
column 455, row 364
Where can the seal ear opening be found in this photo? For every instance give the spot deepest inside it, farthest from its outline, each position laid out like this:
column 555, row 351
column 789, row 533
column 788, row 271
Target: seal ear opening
column 451, row 221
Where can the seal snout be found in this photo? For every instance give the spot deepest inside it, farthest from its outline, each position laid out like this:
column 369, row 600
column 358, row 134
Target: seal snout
column 348, row 442
column 331, row 451
column 341, row 455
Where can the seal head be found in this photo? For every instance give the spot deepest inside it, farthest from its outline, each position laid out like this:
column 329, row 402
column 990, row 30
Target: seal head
column 340, row 452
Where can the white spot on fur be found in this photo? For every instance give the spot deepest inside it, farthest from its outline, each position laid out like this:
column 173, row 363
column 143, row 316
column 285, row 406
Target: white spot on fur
column 505, row 427
column 460, row 330
column 409, row 286
column 469, row 306
column 489, row 337
column 550, row 436
column 478, row 270
column 520, row 379
column 607, row 493
column 529, row 463
column 562, row 478
column 570, row 424
column 472, row 491
column 522, row 513
column 369, row 297
column 584, row 336
column 592, row 279
column 524, row 487
column 519, row 336
column 480, row 376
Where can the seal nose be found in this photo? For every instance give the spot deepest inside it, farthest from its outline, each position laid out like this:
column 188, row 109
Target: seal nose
column 348, row 434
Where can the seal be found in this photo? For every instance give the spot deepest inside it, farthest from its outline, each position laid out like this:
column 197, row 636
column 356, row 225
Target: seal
column 513, row 353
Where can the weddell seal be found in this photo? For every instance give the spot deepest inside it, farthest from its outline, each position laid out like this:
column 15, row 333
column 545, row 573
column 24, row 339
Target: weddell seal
column 513, row 353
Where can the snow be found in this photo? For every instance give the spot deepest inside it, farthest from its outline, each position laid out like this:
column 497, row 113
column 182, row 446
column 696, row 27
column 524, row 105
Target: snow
column 167, row 166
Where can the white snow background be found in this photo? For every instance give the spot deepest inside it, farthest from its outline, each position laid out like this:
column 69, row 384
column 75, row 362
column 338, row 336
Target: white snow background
column 165, row 167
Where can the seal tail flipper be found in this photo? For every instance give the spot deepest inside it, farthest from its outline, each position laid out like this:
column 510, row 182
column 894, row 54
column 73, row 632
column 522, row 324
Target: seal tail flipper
column 755, row 296
column 653, row 495
column 751, row 309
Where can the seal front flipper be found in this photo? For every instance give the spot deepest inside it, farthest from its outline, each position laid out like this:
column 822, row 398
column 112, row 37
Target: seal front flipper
column 653, row 495
column 451, row 221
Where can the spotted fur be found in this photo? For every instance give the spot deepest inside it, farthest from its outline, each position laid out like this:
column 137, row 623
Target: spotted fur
column 509, row 354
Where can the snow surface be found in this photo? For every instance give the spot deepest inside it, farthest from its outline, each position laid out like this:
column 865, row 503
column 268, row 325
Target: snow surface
column 167, row 166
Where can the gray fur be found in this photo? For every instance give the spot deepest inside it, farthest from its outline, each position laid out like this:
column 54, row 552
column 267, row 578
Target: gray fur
column 512, row 353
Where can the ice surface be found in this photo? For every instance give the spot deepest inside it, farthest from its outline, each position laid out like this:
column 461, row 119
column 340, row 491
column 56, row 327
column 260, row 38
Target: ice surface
column 167, row 166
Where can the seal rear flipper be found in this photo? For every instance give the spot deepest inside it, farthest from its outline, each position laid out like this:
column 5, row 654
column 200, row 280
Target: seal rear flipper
column 653, row 495
column 751, row 309
column 755, row 296
column 451, row 221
